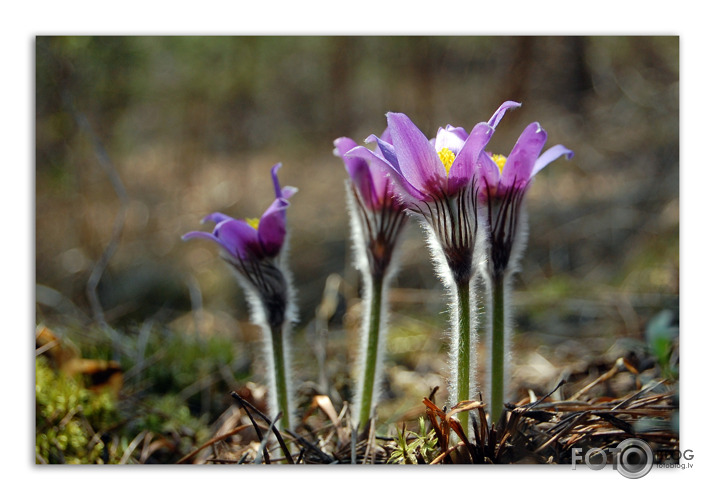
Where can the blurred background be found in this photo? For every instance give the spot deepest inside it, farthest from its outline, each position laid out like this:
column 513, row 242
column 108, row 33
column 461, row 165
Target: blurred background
column 138, row 138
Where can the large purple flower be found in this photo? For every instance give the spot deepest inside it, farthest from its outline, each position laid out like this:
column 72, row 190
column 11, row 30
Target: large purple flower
column 503, row 182
column 251, row 239
column 428, row 169
column 438, row 181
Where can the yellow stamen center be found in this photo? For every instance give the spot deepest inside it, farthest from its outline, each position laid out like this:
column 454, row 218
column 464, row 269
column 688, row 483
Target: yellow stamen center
column 500, row 160
column 253, row 223
column 447, row 157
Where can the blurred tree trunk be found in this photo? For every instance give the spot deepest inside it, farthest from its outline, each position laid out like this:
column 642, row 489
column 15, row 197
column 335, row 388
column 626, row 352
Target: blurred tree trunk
column 518, row 72
column 340, row 112
column 549, row 68
column 575, row 82
column 422, row 56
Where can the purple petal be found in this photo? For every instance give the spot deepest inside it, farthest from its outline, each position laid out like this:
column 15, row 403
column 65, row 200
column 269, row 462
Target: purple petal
column 386, row 137
column 216, row 218
column 274, row 175
column 235, row 236
column 382, row 188
column 288, row 191
column 352, row 165
column 272, row 227
column 464, row 167
column 343, row 145
column 458, row 131
column 499, row 113
column 488, row 173
column 385, row 149
column 449, row 139
column 238, row 237
column 202, row 235
column 358, row 170
column 520, row 162
column 417, row 158
column 381, row 167
column 550, row 155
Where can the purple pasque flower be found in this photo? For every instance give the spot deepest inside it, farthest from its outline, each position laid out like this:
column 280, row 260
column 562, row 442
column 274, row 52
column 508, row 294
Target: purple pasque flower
column 437, row 179
column 503, row 182
column 253, row 247
column 376, row 212
column 251, row 239
column 369, row 178
column 428, row 169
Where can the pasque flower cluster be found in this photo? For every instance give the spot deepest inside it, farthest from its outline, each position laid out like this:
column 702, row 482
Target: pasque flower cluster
column 468, row 200
column 470, row 204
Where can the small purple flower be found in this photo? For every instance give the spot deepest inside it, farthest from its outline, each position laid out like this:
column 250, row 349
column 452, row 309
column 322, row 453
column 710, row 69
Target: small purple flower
column 503, row 182
column 374, row 205
column 251, row 239
column 375, row 189
column 253, row 247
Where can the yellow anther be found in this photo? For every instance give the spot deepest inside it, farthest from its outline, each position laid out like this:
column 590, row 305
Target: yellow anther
column 447, row 157
column 253, row 223
column 500, row 160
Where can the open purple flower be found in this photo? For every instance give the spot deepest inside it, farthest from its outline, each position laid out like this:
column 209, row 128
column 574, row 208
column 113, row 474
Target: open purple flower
column 424, row 169
column 503, row 181
column 252, row 247
column 251, row 239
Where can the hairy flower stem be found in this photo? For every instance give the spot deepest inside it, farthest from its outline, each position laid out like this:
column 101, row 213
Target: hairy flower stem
column 279, row 367
column 464, row 348
column 497, row 346
column 373, row 339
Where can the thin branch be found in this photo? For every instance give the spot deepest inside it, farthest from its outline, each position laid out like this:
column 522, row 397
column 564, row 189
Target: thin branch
column 116, row 182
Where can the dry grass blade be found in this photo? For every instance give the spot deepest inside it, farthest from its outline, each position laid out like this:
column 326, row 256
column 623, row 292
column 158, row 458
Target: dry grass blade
column 311, row 453
column 132, row 446
column 620, row 365
column 245, row 404
column 264, row 441
column 211, row 442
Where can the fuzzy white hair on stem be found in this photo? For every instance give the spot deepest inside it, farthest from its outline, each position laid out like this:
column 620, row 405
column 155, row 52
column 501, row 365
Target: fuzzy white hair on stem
column 259, row 283
column 375, row 236
column 490, row 277
column 455, row 237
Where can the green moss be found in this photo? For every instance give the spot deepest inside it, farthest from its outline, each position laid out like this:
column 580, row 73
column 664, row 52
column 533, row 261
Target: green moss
column 69, row 418
column 76, row 425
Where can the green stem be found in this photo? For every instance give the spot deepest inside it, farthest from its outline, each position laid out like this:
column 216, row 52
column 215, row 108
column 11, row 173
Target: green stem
column 280, row 376
column 373, row 339
column 497, row 348
column 464, row 372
